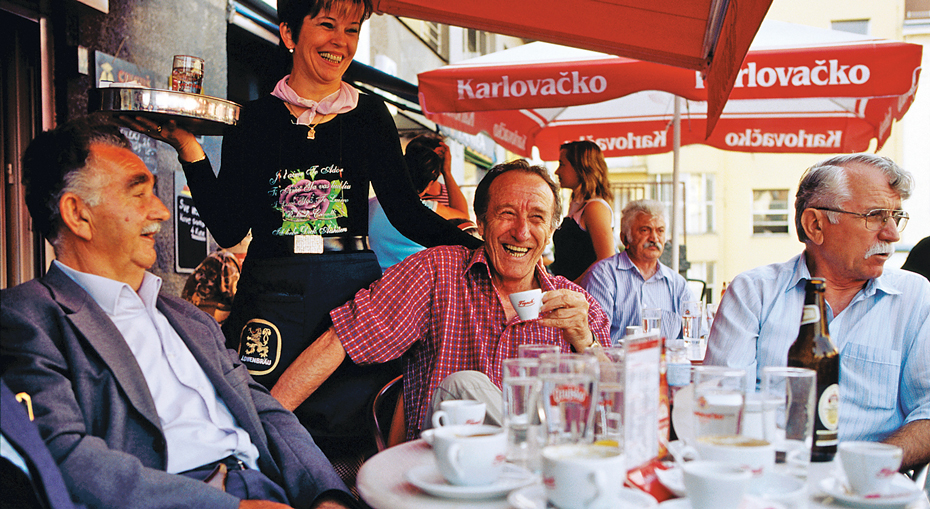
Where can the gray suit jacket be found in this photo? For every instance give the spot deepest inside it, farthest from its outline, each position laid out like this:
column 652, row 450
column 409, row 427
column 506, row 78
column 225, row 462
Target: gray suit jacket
column 95, row 412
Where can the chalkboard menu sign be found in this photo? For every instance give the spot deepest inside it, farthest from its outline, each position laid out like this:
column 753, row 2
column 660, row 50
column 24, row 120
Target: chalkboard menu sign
column 191, row 233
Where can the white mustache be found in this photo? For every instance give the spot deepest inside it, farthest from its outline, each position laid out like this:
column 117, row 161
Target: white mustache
column 648, row 244
column 879, row 248
column 152, row 228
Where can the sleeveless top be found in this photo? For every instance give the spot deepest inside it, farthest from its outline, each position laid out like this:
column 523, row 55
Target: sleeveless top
column 574, row 250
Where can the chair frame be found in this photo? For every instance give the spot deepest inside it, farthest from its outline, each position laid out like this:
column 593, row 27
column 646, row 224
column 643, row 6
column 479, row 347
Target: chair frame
column 395, row 431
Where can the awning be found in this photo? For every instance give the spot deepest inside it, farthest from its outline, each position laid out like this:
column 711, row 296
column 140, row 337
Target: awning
column 710, row 36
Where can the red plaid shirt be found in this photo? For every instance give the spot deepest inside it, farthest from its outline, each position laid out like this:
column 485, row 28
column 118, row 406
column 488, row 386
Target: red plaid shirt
column 439, row 310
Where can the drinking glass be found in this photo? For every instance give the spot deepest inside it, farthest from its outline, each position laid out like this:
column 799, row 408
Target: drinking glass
column 788, row 397
column 719, row 399
column 526, row 435
column 534, row 350
column 187, row 74
column 569, row 394
column 608, row 416
column 652, row 319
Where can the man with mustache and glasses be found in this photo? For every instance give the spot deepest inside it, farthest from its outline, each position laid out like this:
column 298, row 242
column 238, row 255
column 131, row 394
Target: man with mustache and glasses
column 848, row 214
column 634, row 279
column 134, row 393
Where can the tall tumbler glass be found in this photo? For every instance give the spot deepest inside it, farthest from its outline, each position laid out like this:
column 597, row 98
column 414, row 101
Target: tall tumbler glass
column 719, row 400
column 608, row 416
column 569, row 394
column 692, row 316
column 652, row 320
column 526, row 435
column 534, row 350
column 788, row 399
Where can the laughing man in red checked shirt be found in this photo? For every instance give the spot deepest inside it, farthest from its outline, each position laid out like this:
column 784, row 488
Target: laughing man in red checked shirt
column 446, row 310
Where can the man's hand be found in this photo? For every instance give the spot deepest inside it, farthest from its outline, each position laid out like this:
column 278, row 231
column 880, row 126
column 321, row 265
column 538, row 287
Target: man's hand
column 914, row 439
column 567, row 310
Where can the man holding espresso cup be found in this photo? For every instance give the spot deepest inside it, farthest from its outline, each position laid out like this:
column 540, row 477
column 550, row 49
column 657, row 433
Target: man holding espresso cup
column 446, row 310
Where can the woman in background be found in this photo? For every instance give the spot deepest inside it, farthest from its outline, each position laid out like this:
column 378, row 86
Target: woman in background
column 586, row 234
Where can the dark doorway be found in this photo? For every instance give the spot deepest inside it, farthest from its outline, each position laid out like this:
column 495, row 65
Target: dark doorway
column 21, row 253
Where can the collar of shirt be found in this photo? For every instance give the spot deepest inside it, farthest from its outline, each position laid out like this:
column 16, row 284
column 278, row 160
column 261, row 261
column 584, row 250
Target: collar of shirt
column 480, row 257
column 624, row 263
column 880, row 284
column 115, row 296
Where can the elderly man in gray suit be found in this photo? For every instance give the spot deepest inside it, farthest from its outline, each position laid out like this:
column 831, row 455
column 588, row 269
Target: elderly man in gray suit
column 134, row 393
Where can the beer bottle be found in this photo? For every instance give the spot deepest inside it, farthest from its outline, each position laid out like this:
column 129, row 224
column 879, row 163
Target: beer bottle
column 814, row 350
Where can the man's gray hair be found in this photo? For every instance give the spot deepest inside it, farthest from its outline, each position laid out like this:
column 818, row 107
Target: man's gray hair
column 634, row 209
column 826, row 184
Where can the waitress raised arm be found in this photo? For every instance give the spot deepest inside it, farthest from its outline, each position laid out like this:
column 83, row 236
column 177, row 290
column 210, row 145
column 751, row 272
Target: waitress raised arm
column 295, row 170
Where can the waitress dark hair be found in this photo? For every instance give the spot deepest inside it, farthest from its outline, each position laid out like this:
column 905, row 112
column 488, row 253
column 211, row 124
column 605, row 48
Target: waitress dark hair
column 293, row 12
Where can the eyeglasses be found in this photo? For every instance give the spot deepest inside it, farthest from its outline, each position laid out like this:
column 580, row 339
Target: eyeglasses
column 875, row 220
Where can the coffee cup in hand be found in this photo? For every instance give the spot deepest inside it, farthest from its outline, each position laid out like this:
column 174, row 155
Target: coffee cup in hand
column 580, row 476
column 527, row 303
column 459, row 411
column 870, row 466
column 470, row 455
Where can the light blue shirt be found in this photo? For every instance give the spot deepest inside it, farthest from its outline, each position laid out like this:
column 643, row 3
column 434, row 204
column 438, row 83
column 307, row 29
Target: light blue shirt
column 622, row 292
column 389, row 245
column 198, row 427
column 883, row 337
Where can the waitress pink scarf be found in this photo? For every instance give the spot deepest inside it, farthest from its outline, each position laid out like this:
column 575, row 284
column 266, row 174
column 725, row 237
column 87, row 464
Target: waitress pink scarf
column 343, row 100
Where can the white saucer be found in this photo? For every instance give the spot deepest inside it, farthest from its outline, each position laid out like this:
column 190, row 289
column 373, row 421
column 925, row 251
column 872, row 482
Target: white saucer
column 427, row 436
column 748, row 503
column 428, row 479
column 534, row 497
column 673, row 479
column 902, row 492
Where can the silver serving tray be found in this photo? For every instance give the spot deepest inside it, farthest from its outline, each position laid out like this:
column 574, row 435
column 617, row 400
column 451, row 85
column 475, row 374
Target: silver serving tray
column 199, row 114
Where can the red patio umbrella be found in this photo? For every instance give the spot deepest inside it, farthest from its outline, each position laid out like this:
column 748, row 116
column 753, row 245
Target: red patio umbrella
column 710, row 36
column 800, row 89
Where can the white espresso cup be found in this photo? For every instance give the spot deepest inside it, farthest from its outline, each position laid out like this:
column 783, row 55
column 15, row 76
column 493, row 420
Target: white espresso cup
column 459, row 411
column 715, row 484
column 580, row 476
column 753, row 454
column 870, row 466
column 527, row 303
column 469, row 455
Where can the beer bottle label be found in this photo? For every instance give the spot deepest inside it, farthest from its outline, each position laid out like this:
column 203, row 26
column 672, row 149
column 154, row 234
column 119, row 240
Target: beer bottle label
column 811, row 314
column 828, row 408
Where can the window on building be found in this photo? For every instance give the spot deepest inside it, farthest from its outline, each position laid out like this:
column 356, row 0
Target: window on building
column 432, row 34
column 698, row 195
column 476, row 41
column 917, row 9
column 769, row 211
column 853, row 26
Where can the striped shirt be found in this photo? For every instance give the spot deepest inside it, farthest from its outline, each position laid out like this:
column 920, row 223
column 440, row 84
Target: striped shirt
column 619, row 287
column 883, row 337
column 439, row 311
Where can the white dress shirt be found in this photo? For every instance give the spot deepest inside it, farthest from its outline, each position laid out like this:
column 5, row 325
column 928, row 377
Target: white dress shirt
column 883, row 337
column 198, row 427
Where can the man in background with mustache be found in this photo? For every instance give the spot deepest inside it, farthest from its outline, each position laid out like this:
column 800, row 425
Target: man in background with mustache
column 134, row 393
column 634, row 279
column 848, row 214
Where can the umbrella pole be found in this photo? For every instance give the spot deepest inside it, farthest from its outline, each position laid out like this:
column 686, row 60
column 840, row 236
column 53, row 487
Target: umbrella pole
column 676, row 188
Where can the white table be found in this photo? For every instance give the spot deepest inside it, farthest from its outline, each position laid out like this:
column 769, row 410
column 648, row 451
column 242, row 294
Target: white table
column 382, row 485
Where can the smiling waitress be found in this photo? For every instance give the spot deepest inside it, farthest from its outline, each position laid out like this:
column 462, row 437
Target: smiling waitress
column 295, row 170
